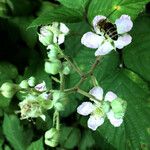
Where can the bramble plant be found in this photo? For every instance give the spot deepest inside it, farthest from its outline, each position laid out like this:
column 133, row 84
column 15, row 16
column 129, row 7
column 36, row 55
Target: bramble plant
column 83, row 88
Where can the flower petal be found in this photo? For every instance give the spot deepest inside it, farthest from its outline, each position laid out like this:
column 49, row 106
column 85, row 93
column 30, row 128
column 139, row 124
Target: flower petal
column 96, row 20
column 114, row 121
column 110, row 96
column 85, row 108
column 41, row 87
column 91, row 40
column 104, row 49
column 61, row 39
column 97, row 92
column 122, row 41
column 64, row 29
column 124, row 24
column 95, row 121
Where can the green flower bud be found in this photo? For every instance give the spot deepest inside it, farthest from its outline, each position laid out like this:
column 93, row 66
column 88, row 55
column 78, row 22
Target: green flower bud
column 53, row 67
column 118, row 105
column 66, row 68
column 52, row 137
column 8, row 89
column 53, row 53
column 32, row 81
column 60, row 100
column 24, row 84
column 45, row 36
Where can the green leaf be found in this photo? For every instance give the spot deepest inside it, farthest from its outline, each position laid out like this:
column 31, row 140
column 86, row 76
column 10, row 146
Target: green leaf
column 69, row 137
column 36, row 145
column 87, row 141
column 137, row 54
column 60, row 14
column 7, row 72
column 118, row 7
column 133, row 133
column 14, row 133
column 77, row 4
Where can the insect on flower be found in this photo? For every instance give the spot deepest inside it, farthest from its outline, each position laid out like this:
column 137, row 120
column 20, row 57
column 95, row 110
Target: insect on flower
column 108, row 36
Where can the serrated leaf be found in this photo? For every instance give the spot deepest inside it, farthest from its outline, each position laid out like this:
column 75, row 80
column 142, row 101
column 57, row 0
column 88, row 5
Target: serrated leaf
column 14, row 133
column 133, row 133
column 137, row 54
column 60, row 14
column 118, row 7
column 36, row 145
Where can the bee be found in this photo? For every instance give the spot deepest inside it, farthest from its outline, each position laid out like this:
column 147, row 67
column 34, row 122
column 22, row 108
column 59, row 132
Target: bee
column 108, row 28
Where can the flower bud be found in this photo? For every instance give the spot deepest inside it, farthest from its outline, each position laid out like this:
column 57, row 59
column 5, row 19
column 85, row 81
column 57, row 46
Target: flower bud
column 53, row 67
column 52, row 137
column 118, row 105
column 59, row 100
column 31, row 81
column 66, row 68
column 53, row 53
column 45, row 36
column 8, row 89
column 24, row 84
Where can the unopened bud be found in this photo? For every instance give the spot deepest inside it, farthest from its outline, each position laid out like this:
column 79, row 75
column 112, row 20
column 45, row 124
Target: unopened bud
column 52, row 137
column 66, row 68
column 31, row 81
column 24, row 84
column 53, row 67
column 8, row 89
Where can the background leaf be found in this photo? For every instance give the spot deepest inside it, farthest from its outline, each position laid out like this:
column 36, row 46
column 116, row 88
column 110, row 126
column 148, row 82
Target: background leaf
column 137, row 54
column 60, row 14
column 14, row 133
column 129, row 7
column 36, row 145
column 133, row 133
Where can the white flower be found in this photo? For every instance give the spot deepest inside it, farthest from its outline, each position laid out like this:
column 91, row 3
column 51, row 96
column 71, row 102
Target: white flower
column 52, row 34
column 41, row 87
column 101, row 109
column 102, row 41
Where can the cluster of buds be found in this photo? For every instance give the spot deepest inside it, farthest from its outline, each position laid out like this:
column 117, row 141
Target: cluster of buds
column 110, row 106
column 52, row 36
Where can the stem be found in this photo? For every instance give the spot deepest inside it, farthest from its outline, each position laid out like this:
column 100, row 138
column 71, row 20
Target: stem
column 55, row 79
column 87, row 94
column 94, row 81
column 57, row 121
column 94, row 65
column 71, row 64
column 61, row 81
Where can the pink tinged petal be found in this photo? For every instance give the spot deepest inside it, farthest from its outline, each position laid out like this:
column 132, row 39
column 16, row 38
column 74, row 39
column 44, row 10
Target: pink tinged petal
column 91, row 40
column 61, row 39
column 64, row 29
column 114, row 121
column 85, row 108
column 123, row 41
column 94, row 122
column 41, row 87
column 124, row 24
column 104, row 49
column 97, row 92
column 110, row 96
